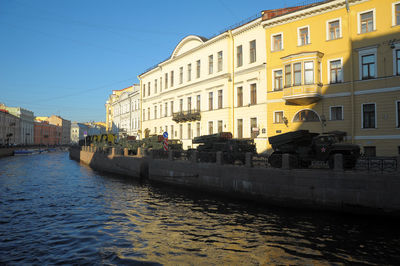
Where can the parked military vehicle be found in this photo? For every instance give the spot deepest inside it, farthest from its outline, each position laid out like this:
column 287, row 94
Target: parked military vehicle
column 305, row 147
column 232, row 149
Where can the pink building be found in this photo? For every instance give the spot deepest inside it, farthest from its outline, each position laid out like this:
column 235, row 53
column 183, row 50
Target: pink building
column 47, row 134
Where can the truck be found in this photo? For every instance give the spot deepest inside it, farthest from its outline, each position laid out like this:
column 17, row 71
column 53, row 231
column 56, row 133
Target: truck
column 305, row 147
column 232, row 149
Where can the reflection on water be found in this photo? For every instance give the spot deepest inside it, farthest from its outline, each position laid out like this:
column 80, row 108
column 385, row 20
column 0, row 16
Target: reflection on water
column 53, row 210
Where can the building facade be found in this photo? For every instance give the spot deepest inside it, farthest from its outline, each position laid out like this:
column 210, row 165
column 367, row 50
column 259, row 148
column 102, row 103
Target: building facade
column 9, row 128
column 65, row 128
column 335, row 65
column 209, row 86
column 46, row 133
column 26, row 124
column 78, row 131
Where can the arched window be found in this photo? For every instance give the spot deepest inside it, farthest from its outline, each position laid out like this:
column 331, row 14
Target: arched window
column 306, row 116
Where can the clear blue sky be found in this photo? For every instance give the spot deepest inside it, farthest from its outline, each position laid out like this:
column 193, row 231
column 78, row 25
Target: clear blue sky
column 65, row 57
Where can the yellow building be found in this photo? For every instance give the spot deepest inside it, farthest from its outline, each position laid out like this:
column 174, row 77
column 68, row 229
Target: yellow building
column 335, row 65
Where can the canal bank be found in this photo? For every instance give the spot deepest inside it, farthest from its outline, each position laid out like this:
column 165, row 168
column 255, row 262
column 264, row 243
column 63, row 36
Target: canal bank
column 345, row 191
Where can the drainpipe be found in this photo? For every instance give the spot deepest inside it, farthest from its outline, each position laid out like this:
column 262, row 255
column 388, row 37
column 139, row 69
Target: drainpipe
column 140, row 108
column 233, row 81
column 351, row 72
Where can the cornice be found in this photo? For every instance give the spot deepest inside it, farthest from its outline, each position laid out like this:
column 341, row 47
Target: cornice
column 251, row 25
column 250, row 69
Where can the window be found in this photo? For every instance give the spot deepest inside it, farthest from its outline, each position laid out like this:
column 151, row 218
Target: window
column 160, row 84
column 253, row 93
column 160, row 110
column 277, row 42
column 189, row 104
column 198, row 103
column 219, row 99
column 396, row 14
column 309, row 72
column 369, row 151
column 219, row 61
column 210, row 64
column 189, row 131
column 172, row 78
column 252, row 51
column 198, row 129
column 148, row 113
column 210, row 127
column 278, row 80
column 397, row 62
column 155, row 112
column 144, row 114
column 172, row 132
column 368, row 115
column 180, row 75
column 336, row 113
column 239, row 56
column 239, row 96
column 366, row 21
column 303, row 36
column 278, row 117
column 334, row 29
column 181, row 131
column 220, row 126
column 253, row 128
column 181, row 105
column 166, row 81
column 155, row 86
column 210, row 101
column 398, row 113
column 165, row 109
column 306, row 116
column 288, row 76
column 240, row 128
column 148, row 89
column 189, row 72
column 172, row 107
column 144, row 90
column 198, row 69
column 297, row 74
column 335, row 71
column 368, row 66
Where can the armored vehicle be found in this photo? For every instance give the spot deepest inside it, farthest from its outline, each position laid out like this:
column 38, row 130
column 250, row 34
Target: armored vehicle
column 305, row 147
column 232, row 149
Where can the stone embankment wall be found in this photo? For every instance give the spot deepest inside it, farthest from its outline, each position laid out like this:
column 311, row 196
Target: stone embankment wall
column 6, row 152
column 351, row 191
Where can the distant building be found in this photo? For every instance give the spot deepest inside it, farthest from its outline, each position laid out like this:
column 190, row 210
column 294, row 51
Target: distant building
column 65, row 128
column 26, row 124
column 96, row 128
column 123, row 111
column 77, row 132
column 46, row 133
column 9, row 127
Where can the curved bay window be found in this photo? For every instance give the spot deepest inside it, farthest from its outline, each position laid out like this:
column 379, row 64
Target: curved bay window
column 306, row 116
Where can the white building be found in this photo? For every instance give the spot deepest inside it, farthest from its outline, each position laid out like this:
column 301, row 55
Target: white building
column 26, row 124
column 209, row 86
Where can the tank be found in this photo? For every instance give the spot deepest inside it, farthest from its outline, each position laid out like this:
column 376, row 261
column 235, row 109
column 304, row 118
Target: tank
column 305, row 147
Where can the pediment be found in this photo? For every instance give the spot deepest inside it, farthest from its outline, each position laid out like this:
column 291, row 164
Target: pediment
column 188, row 43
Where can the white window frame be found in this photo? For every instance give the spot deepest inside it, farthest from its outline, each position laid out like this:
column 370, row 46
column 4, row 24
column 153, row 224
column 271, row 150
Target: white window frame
column 329, row 69
column 283, row 115
column 396, row 47
column 304, row 72
column 359, row 20
column 363, row 52
column 394, row 13
column 362, row 116
column 327, row 28
column 397, row 114
column 273, row 79
column 330, row 112
column 298, row 35
column 272, row 41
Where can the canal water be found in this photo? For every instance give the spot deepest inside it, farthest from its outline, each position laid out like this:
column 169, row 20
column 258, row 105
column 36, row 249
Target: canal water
column 56, row 211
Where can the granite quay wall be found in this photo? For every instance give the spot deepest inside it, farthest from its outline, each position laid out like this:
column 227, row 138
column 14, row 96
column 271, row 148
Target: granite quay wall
column 348, row 191
column 6, row 152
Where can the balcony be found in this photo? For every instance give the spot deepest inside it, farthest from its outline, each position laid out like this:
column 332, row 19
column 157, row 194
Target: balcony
column 186, row 116
column 302, row 95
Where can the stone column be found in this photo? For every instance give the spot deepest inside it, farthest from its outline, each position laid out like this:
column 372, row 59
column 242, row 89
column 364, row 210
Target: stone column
column 219, row 157
column 338, row 162
column 286, row 161
column 249, row 159
column 139, row 152
column 126, row 152
column 113, row 151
